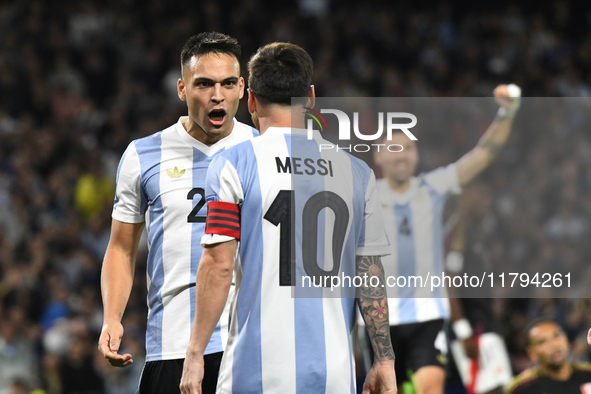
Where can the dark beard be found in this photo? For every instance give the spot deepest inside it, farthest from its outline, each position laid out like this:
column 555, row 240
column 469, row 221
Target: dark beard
column 255, row 121
column 555, row 366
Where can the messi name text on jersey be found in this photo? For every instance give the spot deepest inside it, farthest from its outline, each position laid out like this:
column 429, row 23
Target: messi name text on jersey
column 304, row 166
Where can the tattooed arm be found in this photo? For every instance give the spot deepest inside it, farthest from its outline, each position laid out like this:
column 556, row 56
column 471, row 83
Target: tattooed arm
column 373, row 304
column 491, row 143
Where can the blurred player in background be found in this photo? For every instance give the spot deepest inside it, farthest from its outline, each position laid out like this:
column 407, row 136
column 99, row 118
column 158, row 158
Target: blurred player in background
column 413, row 208
column 160, row 183
column 479, row 352
column 548, row 347
column 259, row 193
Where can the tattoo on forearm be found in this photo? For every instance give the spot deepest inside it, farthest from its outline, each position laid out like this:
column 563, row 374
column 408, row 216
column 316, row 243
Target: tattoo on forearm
column 494, row 148
column 373, row 304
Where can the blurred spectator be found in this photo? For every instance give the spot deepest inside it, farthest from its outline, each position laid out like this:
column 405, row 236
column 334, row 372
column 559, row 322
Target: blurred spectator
column 94, row 190
column 77, row 371
column 548, row 347
column 17, row 356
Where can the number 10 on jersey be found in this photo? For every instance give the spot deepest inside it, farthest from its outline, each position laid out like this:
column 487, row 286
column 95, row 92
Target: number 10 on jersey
column 281, row 212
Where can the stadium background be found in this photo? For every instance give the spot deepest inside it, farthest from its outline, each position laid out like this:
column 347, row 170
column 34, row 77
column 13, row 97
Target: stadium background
column 80, row 80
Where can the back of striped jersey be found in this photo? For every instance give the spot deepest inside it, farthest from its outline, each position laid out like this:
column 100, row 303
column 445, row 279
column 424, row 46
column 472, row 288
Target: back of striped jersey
column 302, row 214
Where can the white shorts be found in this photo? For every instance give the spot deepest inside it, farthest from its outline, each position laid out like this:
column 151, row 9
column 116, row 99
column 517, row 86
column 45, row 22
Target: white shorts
column 491, row 370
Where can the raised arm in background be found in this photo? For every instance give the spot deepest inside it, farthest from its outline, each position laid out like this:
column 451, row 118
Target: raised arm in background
column 495, row 137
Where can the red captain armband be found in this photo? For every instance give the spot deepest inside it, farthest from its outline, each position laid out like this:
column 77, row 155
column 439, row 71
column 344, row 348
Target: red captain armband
column 223, row 218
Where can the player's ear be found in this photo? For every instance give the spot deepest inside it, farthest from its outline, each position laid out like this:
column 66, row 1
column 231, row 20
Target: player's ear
column 180, row 88
column 252, row 105
column 241, row 86
column 532, row 355
column 311, row 98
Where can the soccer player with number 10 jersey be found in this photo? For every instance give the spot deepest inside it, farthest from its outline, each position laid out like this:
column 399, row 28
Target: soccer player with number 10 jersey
column 280, row 342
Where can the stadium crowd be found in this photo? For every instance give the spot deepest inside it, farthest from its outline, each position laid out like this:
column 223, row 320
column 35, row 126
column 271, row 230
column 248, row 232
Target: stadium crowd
column 80, row 80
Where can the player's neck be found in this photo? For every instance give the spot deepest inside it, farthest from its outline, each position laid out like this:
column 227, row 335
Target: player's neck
column 195, row 131
column 277, row 116
column 562, row 373
column 399, row 186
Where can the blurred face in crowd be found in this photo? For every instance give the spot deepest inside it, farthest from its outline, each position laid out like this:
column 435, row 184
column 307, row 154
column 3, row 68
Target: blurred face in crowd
column 212, row 87
column 548, row 345
column 398, row 166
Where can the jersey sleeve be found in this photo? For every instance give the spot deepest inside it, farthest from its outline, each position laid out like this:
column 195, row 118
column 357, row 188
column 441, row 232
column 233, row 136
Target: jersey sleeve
column 444, row 180
column 373, row 240
column 129, row 206
column 222, row 183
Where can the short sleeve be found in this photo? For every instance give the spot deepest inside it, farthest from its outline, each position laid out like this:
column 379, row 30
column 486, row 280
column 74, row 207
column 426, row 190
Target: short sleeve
column 444, row 180
column 374, row 241
column 128, row 207
column 222, row 183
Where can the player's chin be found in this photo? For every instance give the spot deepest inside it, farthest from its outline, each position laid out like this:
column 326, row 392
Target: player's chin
column 218, row 127
column 402, row 177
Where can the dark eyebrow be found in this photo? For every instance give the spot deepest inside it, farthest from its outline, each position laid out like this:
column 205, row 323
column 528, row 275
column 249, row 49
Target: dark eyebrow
column 209, row 80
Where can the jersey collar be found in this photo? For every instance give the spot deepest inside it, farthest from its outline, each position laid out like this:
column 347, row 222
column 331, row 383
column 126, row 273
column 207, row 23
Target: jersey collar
column 291, row 130
column 390, row 196
column 208, row 150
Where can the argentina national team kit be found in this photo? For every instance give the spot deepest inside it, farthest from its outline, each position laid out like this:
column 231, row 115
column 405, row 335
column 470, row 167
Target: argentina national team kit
column 161, row 180
column 281, row 341
column 414, row 226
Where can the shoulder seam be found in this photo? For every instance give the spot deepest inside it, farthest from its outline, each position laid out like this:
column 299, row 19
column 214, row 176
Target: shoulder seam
column 523, row 378
column 582, row 366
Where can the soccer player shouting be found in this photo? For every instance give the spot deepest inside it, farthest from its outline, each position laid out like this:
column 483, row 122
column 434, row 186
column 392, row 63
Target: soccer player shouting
column 160, row 184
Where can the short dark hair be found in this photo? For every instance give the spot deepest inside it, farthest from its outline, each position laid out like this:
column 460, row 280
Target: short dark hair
column 536, row 322
column 209, row 42
column 280, row 71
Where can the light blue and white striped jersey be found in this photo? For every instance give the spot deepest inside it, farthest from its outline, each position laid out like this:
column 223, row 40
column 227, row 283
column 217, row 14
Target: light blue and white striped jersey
column 279, row 343
column 161, row 180
column 414, row 223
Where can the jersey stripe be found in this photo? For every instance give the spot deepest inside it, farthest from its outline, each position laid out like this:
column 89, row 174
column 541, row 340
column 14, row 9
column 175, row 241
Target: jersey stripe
column 339, row 312
column 278, row 309
column 248, row 305
column 176, row 242
column 438, row 206
column 149, row 153
column 119, row 171
column 309, row 338
column 406, row 253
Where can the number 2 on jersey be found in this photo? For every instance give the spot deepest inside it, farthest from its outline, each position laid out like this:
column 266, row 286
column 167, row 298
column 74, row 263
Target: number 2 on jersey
column 192, row 217
column 281, row 212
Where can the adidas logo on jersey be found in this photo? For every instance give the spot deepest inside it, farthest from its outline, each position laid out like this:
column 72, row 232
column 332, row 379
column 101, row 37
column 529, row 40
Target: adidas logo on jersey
column 175, row 174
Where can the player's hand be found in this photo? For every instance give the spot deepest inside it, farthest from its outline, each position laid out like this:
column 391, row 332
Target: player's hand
column 508, row 97
column 589, row 337
column 193, row 369
column 381, row 379
column 470, row 347
column 109, row 343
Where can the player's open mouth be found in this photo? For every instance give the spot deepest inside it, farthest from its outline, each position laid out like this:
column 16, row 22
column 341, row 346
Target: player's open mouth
column 217, row 117
column 401, row 166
